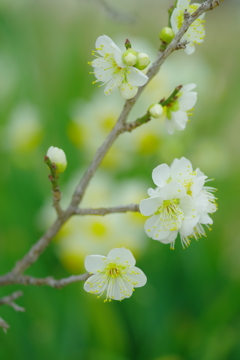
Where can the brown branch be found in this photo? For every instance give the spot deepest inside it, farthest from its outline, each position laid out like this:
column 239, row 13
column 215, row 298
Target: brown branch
column 110, row 210
column 9, row 300
column 50, row 281
column 120, row 126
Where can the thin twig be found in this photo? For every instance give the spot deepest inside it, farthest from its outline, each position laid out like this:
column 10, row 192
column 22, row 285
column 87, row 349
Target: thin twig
column 4, row 325
column 50, row 281
column 110, row 210
column 9, row 300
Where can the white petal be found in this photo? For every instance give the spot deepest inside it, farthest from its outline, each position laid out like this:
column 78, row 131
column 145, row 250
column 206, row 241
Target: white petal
column 181, row 169
column 190, row 48
column 179, row 119
column 95, row 284
column 156, row 229
column 188, row 225
column 94, row 263
column 201, row 201
column 136, row 77
column 149, row 206
column 197, row 185
column 188, row 207
column 170, row 238
column 174, row 21
column 106, row 44
column 122, row 288
column 173, row 190
column 161, row 174
column 187, row 100
column 118, row 58
column 122, row 255
column 183, row 4
column 187, row 88
column 152, row 225
column 128, row 91
column 152, row 192
column 174, row 163
column 137, row 277
column 211, row 208
column 113, row 84
column 205, row 219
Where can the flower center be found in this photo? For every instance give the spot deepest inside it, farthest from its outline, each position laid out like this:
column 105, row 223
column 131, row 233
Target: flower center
column 171, row 214
column 113, row 270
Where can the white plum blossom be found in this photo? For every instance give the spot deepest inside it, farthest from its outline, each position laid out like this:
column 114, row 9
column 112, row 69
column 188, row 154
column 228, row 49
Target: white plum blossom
column 58, row 157
column 177, row 112
column 202, row 202
column 116, row 274
column 196, row 32
column 172, row 210
column 110, row 69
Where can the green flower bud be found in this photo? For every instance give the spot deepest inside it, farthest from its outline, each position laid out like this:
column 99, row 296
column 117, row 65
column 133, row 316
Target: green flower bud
column 129, row 57
column 142, row 61
column 57, row 156
column 166, row 35
column 155, row 110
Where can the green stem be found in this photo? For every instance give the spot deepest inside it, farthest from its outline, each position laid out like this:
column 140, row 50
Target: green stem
column 145, row 118
column 53, row 177
column 171, row 98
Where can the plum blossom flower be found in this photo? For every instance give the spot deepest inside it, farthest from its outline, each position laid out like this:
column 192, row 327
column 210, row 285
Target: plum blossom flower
column 172, row 211
column 177, row 111
column 116, row 274
column 193, row 181
column 110, row 69
column 196, row 32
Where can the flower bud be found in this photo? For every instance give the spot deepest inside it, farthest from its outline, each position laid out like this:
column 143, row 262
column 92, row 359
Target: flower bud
column 155, row 110
column 57, row 156
column 166, row 35
column 142, row 61
column 128, row 91
column 129, row 57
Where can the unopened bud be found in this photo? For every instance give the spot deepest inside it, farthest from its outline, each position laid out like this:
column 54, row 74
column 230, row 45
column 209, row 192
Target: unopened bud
column 128, row 44
column 128, row 91
column 155, row 110
column 166, row 35
column 129, row 57
column 142, row 61
column 57, row 156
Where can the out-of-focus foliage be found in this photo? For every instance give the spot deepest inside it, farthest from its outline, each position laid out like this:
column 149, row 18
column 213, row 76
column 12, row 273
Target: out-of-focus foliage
column 190, row 307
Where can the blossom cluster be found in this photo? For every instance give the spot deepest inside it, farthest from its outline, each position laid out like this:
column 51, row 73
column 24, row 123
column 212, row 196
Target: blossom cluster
column 181, row 203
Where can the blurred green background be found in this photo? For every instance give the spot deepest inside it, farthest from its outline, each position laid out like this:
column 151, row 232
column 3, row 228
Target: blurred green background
column 190, row 307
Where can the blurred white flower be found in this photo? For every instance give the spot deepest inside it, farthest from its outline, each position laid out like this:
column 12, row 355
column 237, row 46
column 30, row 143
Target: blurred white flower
column 177, row 112
column 196, row 32
column 57, row 157
column 116, row 274
column 110, row 69
column 23, row 132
